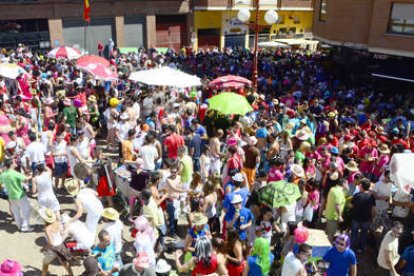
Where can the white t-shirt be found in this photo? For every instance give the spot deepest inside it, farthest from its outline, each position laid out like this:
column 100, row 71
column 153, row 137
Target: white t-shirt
column 60, row 148
column 382, row 189
column 389, row 243
column 291, row 265
column 401, row 212
column 81, row 234
column 148, row 154
column 115, row 232
column 90, row 202
column 36, row 152
column 123, row 129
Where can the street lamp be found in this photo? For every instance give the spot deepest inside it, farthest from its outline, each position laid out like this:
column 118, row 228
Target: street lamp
column 270, row 17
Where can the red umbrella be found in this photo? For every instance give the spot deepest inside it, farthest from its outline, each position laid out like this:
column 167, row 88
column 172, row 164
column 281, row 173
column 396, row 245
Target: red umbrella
column 97, row 66
column 230, row 81
column 64, row 52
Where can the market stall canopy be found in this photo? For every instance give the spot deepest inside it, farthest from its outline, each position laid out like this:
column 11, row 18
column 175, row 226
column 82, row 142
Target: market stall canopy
column 230, row 81
column 97, row 66
column 165, row 76
column 272, row 44
column 10, row 70
column 230, row 103
column 401, row 171
column 65, row 52
column 311, row 44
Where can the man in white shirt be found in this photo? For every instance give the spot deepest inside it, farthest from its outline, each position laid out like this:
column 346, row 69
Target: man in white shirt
column 293, row 264
column 148, row 153
column 388, row 252
column 382, row 193
column 35, row 152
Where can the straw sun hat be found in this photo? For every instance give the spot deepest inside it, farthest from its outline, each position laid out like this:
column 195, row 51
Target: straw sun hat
column 199, row 219
column 47, row 215
column 72, row 187
column 110, row 213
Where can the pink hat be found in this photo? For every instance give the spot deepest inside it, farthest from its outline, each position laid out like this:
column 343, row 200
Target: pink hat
column 10, row 268
column 232, row 142
column 77, row 103
column 301, row 234
column 141, row 260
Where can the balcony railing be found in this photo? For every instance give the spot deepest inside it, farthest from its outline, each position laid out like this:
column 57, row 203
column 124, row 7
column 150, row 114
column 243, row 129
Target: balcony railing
column 284, row 4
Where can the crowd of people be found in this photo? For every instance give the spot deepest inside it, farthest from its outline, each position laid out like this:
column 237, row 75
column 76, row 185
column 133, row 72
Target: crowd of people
column 183, row 161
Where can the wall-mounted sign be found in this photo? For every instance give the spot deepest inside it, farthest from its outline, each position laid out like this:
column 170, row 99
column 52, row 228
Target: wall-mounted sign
column 233, row 26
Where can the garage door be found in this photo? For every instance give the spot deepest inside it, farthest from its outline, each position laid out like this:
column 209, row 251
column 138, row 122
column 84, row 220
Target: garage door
column 134, row 31
column 100, row 29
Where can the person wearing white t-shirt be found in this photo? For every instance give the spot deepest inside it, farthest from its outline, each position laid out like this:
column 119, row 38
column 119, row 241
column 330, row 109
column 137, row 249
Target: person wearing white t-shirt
column 114, row 226
column 293, row 265
column 35, row 152
column 388, row 252
column 401, row 201
column 148, row 153
column 382, row 193
column 86, row 200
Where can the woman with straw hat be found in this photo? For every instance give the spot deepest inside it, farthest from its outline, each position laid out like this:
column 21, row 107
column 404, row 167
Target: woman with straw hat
column 199, row 229
column 55, row 247
column 383, row 160
column 93, row 112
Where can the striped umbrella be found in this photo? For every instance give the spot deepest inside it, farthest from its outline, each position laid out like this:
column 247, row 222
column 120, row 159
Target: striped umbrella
column 65, row 52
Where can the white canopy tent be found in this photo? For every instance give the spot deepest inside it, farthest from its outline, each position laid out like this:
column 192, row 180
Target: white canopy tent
column 272, row 44
column 305, row 43
column 165, row 76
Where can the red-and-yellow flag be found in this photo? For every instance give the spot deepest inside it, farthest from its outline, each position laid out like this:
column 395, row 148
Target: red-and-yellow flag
column 86, row 10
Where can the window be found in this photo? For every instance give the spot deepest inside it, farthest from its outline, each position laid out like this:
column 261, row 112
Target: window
column 281, row 19
column 401, row 19
column 323, row 11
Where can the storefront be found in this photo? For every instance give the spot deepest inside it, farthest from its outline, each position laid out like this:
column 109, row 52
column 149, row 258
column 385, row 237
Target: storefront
column 87, row 36
column 171, row 31
column 134, row 31
column 223, row 29
column 31, row 32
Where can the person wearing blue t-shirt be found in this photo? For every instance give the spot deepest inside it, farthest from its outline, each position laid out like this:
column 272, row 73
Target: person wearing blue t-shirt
column 243, row 192
column 405, row 265
column 341, row 258
column 107, row 261
column 242, row 219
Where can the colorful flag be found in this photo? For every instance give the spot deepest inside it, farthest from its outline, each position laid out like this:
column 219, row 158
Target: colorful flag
column 86, row 10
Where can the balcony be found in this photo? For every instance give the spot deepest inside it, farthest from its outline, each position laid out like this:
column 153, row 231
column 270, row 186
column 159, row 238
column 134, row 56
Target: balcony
column 213, row 3
column 296, row 4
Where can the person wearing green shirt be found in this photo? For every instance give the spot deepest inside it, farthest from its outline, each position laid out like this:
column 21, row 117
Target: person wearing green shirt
column 19, row 204
column 335, row 204
column 186, row 166
column 70, row 113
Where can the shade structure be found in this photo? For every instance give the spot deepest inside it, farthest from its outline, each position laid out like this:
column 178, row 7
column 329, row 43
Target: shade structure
column 96, row 66
column 279, row 193
column 272, row 44
column 230, row 81
column 230, row 103
column 65, row 52
column 165, row 76
column 10, row 70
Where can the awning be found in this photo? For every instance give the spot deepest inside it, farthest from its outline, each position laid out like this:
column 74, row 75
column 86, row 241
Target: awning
column 272, row 44
column 297, row 41
column 394, row 70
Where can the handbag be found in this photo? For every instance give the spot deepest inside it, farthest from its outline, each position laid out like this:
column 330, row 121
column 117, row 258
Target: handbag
column 308, row 213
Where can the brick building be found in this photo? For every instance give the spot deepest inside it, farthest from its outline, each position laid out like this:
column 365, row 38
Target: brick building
column 380, row 29
column 130, row 23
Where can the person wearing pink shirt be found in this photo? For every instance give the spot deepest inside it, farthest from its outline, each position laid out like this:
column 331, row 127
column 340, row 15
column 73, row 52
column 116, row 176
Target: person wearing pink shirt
column 382, row 161
column 276, row 170
column 368, row 157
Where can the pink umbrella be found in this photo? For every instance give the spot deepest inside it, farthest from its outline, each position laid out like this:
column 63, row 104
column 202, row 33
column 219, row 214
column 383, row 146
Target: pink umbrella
column 230, row 81
column 96, row 66
column 64, row 52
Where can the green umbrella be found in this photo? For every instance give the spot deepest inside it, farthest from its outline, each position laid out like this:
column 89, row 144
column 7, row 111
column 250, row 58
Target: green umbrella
column 230, row 103
column 279, row 193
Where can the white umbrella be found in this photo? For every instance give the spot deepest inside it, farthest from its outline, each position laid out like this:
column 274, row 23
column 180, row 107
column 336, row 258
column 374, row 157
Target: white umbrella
column 10, row 70
column 272, row 44
column 165, row 76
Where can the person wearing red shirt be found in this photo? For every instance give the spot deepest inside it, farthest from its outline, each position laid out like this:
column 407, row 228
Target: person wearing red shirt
column 172, row 142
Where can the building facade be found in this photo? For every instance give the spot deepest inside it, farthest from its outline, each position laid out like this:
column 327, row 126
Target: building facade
column 130, row 23
column 216, row 24
column 378, row 26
